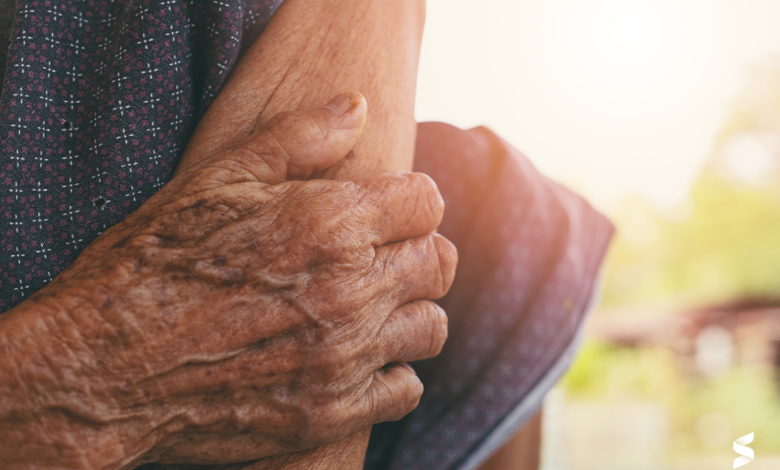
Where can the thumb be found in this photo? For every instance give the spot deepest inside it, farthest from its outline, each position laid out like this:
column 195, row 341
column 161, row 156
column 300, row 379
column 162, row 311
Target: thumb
column 295, row 145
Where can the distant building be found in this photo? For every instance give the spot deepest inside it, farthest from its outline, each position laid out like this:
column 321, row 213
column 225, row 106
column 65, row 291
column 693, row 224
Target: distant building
column 709, row 340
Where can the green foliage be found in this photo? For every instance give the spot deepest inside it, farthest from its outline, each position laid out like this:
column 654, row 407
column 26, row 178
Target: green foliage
column 722, row 243
column 624, row 374
column 729, row 247
column 746, row 398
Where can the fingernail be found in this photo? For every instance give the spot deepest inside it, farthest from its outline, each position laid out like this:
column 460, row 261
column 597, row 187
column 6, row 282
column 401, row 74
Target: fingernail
column 340, row 104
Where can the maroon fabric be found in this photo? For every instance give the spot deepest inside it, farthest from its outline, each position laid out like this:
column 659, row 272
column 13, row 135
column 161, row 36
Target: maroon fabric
column 530, row 251
column 99, row 100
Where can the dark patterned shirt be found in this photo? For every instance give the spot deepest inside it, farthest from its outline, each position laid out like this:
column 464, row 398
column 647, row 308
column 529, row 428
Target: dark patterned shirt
column 99, row 100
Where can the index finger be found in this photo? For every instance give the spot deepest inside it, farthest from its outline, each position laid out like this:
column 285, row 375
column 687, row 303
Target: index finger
column 400, row 206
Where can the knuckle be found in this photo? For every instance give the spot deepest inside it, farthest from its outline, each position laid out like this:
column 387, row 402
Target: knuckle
column 281, row 122
column 372, row 402
column 208, row 174
column 268, row 153
column 254, row 157
column 437, row 321
column 382, row 187
column 402, row 395
column 428, row 194
column 296, row 126
column 448, row 262
column 413, row 390
column 323, row 213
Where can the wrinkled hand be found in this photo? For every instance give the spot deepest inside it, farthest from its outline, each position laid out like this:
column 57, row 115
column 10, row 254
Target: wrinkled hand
column 235, row 315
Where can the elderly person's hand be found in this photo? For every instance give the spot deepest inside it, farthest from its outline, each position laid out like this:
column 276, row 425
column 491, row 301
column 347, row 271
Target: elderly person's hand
column 235, row 315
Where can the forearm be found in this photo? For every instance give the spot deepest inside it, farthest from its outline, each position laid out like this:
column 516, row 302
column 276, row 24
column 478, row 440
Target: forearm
column 314, row 49
column 28, row 368
column 311, row 51
column 52, row 415
column 197, row 311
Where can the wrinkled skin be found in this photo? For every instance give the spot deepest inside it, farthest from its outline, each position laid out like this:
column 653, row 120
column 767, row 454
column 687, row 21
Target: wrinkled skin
column 235, row 315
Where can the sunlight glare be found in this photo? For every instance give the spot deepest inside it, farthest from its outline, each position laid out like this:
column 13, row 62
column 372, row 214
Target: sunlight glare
column 612, row 97
column 613, row 49
column 627, row 30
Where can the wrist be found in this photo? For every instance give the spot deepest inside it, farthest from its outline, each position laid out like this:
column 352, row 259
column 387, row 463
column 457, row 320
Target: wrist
column 55, row 410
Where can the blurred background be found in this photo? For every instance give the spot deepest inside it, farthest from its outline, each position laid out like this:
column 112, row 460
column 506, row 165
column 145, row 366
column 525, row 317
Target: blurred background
column 665, row 114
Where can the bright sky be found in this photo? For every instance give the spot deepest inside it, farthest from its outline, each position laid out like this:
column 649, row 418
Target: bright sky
column 608, row 96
